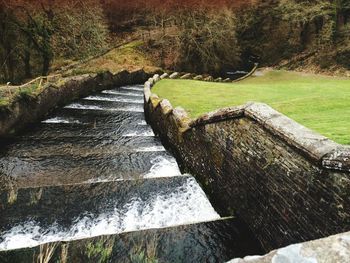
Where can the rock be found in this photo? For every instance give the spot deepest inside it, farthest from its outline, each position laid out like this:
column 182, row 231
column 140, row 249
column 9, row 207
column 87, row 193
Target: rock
column 164, row 76
column 218, row 80
column 210, row 78
column 151, row 81
column 198, row 77
column 330, row 249
column 227, row 80
column 186, row 76
column 156, row 78
column 175, row 75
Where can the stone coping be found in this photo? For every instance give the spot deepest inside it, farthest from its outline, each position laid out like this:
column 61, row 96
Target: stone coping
column 328, row 250
column 325, row 152
column 25, row 111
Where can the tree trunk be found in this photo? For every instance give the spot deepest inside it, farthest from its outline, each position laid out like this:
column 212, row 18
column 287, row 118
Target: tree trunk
column 10, row 64
column 26, row 60
column 46, row 64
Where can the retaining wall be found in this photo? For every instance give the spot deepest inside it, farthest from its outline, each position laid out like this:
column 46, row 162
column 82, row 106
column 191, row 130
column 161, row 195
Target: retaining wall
column 286, row 182
column 28, row 110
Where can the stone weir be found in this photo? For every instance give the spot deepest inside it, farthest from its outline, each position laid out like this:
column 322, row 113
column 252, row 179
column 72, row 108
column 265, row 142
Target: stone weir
column 285, row 182
column 92, row 183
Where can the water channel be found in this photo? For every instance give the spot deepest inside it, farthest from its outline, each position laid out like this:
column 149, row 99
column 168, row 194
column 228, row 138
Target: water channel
column 96, row 168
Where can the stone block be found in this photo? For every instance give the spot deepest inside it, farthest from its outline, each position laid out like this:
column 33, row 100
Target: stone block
column 175, row 75
column 186, row 76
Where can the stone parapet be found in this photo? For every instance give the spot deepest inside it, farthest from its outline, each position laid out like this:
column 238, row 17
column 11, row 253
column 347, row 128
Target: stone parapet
column 24, row 112
column 288, row 183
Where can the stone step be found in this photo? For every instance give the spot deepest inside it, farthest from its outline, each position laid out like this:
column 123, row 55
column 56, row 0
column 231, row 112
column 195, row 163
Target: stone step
column 89, row 166
column 80, row 146
column 89, row 130
column 109, row 106
column 216, row 241
column 114, row 99
column 32, row 216
column 127, row 93
column 100, row 113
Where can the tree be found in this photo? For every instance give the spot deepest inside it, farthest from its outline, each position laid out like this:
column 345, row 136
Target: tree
column 34, row 33
column 207, row 41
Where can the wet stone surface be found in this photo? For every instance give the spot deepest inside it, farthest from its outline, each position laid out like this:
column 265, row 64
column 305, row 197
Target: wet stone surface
column 39, row 215
column 96, row 168
column 100, row 137
column 212, row 242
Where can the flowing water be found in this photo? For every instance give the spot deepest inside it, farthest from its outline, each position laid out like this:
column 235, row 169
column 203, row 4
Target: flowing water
column 95, row 168
column 102, row 141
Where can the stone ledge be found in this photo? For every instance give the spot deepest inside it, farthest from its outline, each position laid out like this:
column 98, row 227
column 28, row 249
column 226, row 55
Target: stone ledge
column 217, row 116
column 326, row 250
column 314, row 145
column 338, row 159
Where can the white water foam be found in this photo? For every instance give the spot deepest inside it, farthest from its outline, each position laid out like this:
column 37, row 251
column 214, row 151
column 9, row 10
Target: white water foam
column 150, row 149
column 148, row 133
column 61, row 120
column 132, row 88
column 163, row 167
column 185, row 205
column 78, row 106
column 99, row 98
column 131, row 94
column 142, row 123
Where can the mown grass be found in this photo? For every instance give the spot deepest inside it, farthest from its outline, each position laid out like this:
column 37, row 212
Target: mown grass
column 320, row 103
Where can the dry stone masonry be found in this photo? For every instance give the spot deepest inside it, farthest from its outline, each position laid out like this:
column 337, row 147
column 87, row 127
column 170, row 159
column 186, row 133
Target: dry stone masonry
column 286, row 182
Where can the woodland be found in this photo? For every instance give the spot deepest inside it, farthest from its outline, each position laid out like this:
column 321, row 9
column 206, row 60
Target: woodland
column 39, row 37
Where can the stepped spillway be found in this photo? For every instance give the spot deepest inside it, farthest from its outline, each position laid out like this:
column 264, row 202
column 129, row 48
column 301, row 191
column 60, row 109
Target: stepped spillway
column 96, row 168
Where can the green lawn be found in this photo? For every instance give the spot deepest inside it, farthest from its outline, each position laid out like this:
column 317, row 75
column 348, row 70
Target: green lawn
column 320, row 103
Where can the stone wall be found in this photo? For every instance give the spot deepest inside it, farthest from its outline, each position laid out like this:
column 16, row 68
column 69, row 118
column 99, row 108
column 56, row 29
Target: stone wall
column 327, row 250
column 286, row 182
column 24, row 111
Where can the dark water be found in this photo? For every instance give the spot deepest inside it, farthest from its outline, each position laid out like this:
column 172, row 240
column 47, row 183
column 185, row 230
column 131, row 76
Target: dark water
column 95, row 168
column 216, row 241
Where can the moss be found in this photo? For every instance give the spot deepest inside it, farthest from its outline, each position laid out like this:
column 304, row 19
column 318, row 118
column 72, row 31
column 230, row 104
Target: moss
column 28, row 92
column 80, row 71
column 218, row 156
column 101, row 250
column 12, row 196
column 141, row 257
column 4, row 102
column 35, row 196
column 155, row 101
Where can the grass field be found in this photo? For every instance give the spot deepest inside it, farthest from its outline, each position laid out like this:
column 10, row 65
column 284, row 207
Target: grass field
column 318, row 102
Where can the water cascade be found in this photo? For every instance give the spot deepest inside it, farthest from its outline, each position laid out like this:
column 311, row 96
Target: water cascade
column 95, row 168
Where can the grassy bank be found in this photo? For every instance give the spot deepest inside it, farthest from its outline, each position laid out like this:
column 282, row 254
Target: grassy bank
column 318, row 102
column 127, row 57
